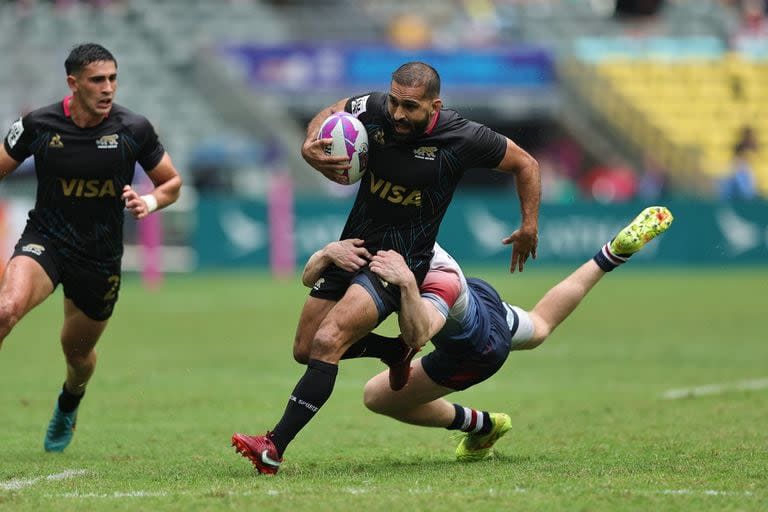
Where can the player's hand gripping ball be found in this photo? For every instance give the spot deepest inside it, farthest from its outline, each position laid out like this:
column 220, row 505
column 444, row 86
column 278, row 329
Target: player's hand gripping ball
column 349, row 139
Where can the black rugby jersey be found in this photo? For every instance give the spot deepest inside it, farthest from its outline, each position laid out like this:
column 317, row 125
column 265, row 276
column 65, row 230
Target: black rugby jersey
column 408, row 186
column 81, row 173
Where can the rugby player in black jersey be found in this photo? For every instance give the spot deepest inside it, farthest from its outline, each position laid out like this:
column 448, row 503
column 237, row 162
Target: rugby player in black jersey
column 418, row 154
column 85, row 149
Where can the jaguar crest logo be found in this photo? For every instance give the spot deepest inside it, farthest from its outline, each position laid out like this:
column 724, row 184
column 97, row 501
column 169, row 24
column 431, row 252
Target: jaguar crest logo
column 425, row 153
column 107, row 141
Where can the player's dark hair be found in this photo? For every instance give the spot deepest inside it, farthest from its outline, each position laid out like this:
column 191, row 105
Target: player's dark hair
column 416, row 74
column 83, row 54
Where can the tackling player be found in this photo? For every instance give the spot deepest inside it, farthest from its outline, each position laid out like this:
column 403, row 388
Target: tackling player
column 473, row 331
column 85, row 149
column 418, row 153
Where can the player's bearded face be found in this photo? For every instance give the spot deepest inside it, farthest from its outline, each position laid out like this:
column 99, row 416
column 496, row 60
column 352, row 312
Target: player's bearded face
column 408, row 110
column 94, row 87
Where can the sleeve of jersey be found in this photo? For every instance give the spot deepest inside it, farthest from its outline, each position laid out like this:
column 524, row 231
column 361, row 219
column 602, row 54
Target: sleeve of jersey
column 18, row 142
column 366, row 106
column 151, row 151
column 485, row 147
column 442, row 288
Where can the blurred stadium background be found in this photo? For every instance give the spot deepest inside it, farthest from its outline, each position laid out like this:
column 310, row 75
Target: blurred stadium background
column 623, row 102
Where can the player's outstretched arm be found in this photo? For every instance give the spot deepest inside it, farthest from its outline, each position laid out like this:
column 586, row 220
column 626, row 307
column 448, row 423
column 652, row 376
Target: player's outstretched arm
column 167, row 184
column 349, row 255
column 7, row 163
column 562, row 299
column 525, row 169
column 558, row 303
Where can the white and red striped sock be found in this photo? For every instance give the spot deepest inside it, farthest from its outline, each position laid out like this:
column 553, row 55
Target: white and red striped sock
column 607, row 260
column 471, row 420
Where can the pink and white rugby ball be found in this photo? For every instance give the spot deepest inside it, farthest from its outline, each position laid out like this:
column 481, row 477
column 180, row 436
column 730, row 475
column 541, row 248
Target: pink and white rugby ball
column 349, row 139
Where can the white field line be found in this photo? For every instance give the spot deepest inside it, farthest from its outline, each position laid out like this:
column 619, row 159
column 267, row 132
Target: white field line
column 21, row 483
column 116, row 494
column 715, row 389
column 706, row 492
column 354, row 491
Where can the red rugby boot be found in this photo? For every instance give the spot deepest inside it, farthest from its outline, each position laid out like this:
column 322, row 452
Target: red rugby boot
column 260, row 450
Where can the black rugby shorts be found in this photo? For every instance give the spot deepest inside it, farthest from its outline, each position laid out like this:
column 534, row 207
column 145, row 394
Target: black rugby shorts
column 92, row 287
column 333, row 284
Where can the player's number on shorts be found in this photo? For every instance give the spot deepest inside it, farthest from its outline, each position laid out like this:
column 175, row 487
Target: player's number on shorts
column 115, row 285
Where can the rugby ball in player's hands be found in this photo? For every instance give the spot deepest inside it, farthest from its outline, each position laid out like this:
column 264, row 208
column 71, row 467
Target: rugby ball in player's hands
column 349, row 139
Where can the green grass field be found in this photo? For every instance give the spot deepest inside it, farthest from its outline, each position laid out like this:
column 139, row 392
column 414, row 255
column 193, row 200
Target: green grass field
column 183, row 367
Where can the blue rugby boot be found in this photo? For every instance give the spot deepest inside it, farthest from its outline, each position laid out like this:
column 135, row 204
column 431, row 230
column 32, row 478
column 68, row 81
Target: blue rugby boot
column 60, row 430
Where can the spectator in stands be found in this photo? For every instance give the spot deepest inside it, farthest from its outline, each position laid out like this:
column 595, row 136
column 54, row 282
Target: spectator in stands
column 610, row 183
column 740, row 182
column 753, row 25
column 481, row 23
column 753, row 18
column 653, row 181
column 410, row 31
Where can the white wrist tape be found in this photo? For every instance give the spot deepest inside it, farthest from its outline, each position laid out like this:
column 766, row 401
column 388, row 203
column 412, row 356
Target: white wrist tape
column 151, row 202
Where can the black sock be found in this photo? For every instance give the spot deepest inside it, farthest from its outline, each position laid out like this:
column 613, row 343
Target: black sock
column 390, row 350
column 309, row 395
column 607, row 260
column 68, row 402
column 470, row 420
